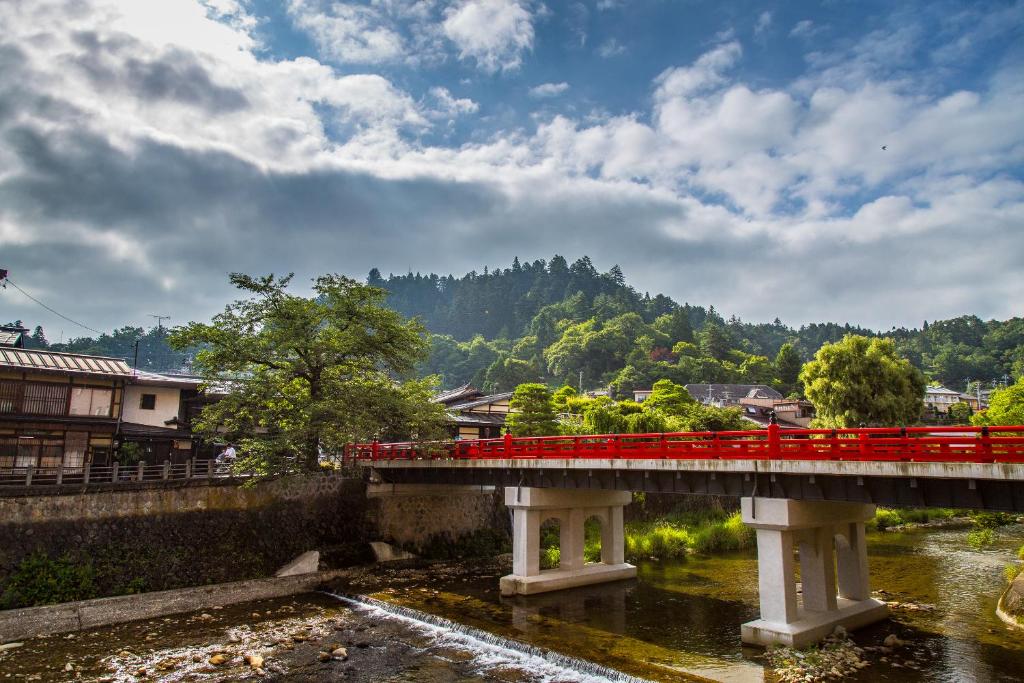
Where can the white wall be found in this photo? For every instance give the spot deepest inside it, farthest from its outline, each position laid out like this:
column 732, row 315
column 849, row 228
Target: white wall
column 167, row 400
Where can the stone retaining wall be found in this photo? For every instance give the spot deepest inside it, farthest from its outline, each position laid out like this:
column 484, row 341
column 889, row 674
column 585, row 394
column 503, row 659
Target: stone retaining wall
column 116, row 542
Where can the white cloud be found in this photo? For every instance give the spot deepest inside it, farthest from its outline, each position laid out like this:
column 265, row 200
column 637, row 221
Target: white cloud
column 763, row 23
column 546, row 90
column 706, row 72
column 448, row 106
column 805, row 29
column 494, row 33
column 183, row 143
column 611, row 48
column 347, row 32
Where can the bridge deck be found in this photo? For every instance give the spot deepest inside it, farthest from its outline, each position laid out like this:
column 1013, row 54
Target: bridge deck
column 962, row 467
column 910, row 444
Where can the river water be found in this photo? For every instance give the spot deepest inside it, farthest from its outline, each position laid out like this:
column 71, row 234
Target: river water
column 679, row 621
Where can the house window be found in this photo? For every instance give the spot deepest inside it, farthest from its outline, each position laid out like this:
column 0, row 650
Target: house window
column 45, row 399
column 86, row 401
column 147, row 402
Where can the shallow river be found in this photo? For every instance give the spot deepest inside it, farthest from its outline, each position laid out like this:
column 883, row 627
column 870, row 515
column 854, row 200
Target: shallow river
column 679, row 621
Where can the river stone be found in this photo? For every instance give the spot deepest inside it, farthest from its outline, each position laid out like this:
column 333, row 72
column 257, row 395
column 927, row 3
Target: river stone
column 1013, row 599
column 254, row 660
column 340, row 653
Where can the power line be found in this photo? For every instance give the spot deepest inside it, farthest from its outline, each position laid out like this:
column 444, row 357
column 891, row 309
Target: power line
column 57, row 313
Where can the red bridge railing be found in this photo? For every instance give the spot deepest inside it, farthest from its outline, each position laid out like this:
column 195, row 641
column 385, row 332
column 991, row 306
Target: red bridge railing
column 881, row 444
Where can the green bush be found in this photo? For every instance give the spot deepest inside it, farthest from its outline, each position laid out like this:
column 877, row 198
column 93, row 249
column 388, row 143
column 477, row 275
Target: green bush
column 991, row 520
column 40, row 580
column 981, row 538
column 890, row 517
column 550, row 557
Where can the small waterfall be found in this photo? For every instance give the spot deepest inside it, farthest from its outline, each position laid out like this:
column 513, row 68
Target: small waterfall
column 481, row 640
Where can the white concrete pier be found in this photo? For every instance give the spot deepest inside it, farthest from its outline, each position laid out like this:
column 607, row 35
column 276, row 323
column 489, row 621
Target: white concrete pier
column 571, row 507
column 829, row 539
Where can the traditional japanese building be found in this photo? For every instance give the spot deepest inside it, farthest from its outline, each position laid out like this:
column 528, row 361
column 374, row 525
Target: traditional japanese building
column 58, row 409
column 156, row 416
column 473, row 414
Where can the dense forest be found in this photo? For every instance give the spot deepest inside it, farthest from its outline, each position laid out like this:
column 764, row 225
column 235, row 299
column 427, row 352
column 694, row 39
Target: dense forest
column 555, row 322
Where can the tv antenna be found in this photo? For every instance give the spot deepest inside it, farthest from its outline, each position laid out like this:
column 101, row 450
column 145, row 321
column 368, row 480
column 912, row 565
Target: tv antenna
column 160, row 320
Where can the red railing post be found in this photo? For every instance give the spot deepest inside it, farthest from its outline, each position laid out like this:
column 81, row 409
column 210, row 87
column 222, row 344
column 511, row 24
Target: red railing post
column 664, row 446
column 508, row 445
column 774, row 442
column 986, row 445
column 865, row 448
column 374, row 449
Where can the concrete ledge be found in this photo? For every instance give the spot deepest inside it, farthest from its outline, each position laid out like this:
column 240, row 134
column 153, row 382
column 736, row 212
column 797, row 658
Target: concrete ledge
column 811, row 627
column 553, row 498
column 941, row 470
column 785, row 513
column 558, row 579
column 31, row 622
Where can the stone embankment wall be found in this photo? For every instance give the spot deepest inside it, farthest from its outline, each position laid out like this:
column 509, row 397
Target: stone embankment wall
column 441, row 521
column 116, row 542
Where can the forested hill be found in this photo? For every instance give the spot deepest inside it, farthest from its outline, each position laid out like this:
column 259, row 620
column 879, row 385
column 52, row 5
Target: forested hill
column 549, row 321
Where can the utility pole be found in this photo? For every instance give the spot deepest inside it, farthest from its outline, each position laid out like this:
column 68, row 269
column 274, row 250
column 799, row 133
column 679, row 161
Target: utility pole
column 160, row 320
column 581, row 382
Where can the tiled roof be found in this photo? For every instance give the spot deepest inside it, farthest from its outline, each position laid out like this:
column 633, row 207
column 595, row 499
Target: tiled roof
column 482, row 401
column 733, row 392
column 941, row 390
column 457, row 394
column 156, row 379
column 66, row 363
column 9, row 337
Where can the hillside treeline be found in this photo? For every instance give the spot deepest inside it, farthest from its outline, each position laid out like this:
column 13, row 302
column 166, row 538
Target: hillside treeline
column 555, row 322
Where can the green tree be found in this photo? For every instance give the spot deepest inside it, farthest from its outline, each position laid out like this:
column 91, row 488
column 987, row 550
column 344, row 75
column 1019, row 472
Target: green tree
column 863, row 381
column 960, row 413
column 534, row 411
column 669, row 398
column 1005, row 407
column 307, row 374
column 714, row 341
column 787, row 368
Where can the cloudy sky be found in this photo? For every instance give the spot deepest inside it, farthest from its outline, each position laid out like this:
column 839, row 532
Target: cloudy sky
column 722, row 153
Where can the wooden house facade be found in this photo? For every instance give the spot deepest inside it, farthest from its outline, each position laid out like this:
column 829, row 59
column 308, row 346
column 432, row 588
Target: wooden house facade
column 58, row 409
column 473, row 414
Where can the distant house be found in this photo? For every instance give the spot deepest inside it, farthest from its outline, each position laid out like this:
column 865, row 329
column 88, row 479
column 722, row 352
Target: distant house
column 58, row 409
column 728, row 395
column 939, row 399
column 13, row 336
column 641, row 395
column 473, row 414
column 789, row 413
column 156, row 415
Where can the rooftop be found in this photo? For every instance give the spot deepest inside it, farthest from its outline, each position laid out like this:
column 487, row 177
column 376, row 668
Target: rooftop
column 481, row 401
column 65, row 363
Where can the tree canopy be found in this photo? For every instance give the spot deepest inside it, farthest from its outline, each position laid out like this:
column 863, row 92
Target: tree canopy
column 308, row 374
column 1006, row 407
column 860, row 381
column 534, row 411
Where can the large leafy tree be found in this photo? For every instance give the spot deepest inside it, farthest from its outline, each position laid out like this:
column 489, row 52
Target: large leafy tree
column 1006, row 407
column 310, row 373
column 863, row 381
column 533, row 411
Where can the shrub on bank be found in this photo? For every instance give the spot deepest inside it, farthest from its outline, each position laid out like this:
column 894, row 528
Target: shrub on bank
column 890, row 517
column 42, row 580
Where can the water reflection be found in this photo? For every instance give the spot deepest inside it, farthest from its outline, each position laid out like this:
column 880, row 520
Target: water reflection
column 681, row 619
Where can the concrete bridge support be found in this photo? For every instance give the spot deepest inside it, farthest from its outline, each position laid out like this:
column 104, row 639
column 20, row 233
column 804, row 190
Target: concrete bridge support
column 531, row 507
column 829, row 540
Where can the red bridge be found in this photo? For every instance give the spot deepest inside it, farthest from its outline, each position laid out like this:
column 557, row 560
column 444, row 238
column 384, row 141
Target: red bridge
column 805, row 492
column 968, row 467
column 882, row 444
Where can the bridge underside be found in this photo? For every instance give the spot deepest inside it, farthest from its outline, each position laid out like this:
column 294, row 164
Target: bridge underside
column 889, row 490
